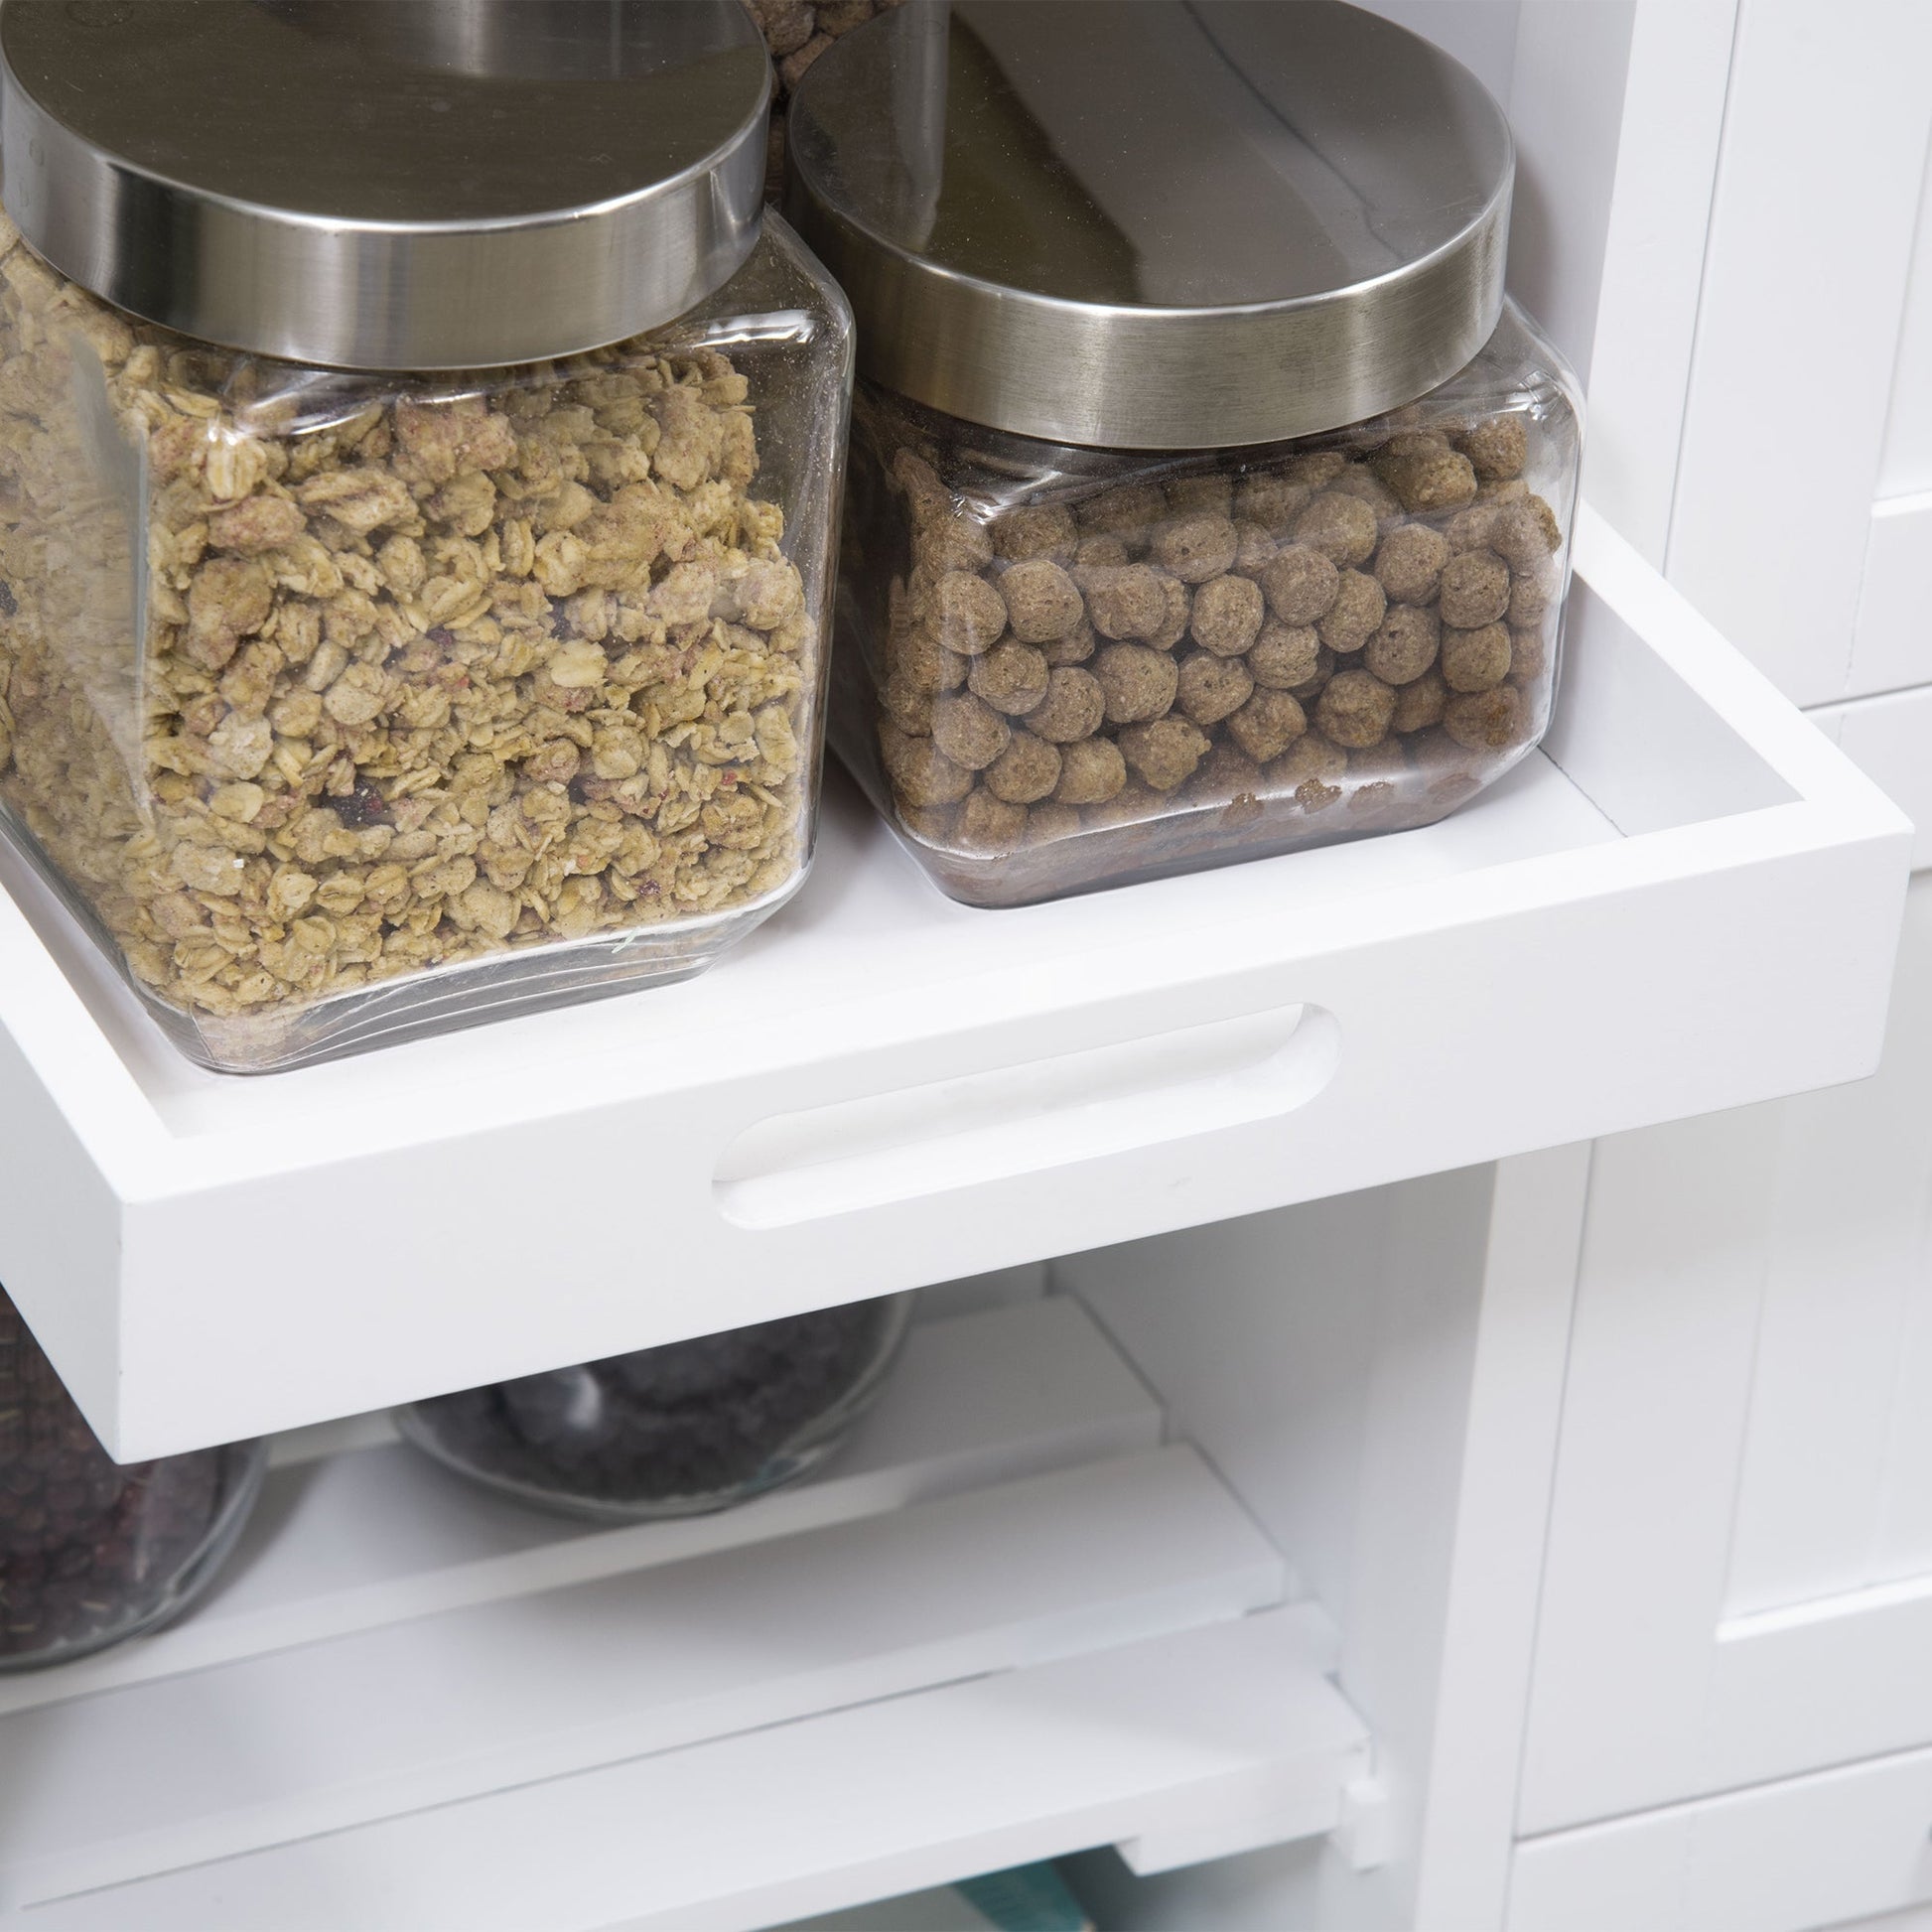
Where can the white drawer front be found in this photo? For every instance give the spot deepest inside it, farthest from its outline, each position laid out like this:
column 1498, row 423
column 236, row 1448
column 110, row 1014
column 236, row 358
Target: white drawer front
column 1813, row 1852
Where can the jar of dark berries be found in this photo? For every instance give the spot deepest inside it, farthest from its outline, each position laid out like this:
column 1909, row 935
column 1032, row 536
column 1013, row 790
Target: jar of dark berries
column 91, row 1550
column 674, row 1431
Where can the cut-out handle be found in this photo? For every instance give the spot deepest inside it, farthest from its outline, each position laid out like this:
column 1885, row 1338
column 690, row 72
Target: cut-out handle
column 1031, row 1118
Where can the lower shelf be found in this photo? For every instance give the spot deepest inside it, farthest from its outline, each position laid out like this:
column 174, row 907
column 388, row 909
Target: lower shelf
column 1007, row 1623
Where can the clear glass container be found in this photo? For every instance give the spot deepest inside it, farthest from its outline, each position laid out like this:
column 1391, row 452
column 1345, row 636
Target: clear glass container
column 1065, row 668
column 1207, row 498
column 91, row 1552
column 449, row 646
column 674, row 1431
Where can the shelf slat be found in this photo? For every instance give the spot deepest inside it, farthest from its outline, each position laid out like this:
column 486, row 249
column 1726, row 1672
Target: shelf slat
column 375, row 1535
column 1233, row 1719
column 448, row 1705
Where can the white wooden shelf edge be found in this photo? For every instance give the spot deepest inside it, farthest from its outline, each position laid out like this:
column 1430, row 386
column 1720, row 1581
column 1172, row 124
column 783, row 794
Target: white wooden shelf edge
column 1228, row 1722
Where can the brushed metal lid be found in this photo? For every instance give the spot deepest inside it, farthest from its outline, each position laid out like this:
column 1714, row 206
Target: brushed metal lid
column 388, row 184
column 1154, row 223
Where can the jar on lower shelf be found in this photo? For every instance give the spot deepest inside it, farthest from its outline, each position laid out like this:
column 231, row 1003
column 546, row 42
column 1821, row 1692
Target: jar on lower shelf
column 92, row 1552
column 1206, row 497
column 675, row 1430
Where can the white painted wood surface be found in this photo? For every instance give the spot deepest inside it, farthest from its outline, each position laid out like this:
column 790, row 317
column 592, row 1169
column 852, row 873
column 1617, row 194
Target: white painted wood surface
column 929, row 1090
column 1739, row 1578
column 402, row 1670
column 1846, row 1843
column 853, row 1805
column 1791, row 383
column 1890, row 739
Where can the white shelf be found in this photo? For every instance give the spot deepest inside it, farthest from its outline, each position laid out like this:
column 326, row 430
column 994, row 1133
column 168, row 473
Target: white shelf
column 1688, row 903
column 1008, row 1619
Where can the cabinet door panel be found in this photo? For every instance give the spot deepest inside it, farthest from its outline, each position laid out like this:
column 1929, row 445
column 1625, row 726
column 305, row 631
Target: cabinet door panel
column 1739, row 1574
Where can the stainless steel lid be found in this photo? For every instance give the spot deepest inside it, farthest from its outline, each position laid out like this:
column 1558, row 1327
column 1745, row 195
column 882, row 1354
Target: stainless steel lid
column 388, row 184
column 1154, row 223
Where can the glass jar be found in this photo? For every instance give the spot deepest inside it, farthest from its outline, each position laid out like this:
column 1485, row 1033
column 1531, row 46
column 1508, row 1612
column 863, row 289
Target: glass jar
column 674, row 1431
column 1207, row 498
column 430, row 628
column 91, row 1552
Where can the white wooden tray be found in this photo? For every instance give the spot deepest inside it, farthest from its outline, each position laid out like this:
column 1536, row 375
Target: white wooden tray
column 1690, row 902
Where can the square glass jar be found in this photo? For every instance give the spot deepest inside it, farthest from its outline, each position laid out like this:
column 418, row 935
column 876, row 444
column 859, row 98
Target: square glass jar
column 1061, row 668
column 344, row 704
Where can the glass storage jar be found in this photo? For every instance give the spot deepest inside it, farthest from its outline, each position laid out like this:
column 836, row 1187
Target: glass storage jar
column 674, row 1431
column 91, row 1552
column 414, row 547
column 1207, row 496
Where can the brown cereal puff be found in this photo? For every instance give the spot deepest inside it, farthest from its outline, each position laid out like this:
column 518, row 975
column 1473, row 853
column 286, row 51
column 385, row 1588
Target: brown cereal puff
column 1427, row 480
column 1410, row 563
column 1271, row 499
column 1043, row 601
column 1211, row 688
column 1388, row 759
column 1254, row 549
column 1268, row 724
column 1421, row 702
column 1195, row 547
column 949, row 539
column 932, row 823
column 1179, row 613
column 1525, row 532
column 1497, row 448
column 1342, row 529
column 1104, row 552
column 1091, row 771
column 1315, row 466
column 1301, row 584
column 910, row 706
column 1139, row 684
column 913, row 477
column 968, row 613
column 1475, row 660
column 1010, row 677
column 988, row 824
column 1363, row 483
column 1355, row 709
column 1224, row 776
column 1486, row 721
column 1469, row 530
column 1532, row 590
column 1164, row 755
column 1285, row 654
column 1209, row 494
column 1029, row 768
column 1309, row 756
column 1475, row 588
column 1075, row 649
column 1325, row 668
column 922, row 774
column 1356, row 610
column 1405, row 644
column 1129, row 603
column 918, row 659
column 1073, row 706
column 1529, row 655
column 1227, row 615
column 1035, row 530
column 1127, row 511
column 970, row 733
column 1047, row 821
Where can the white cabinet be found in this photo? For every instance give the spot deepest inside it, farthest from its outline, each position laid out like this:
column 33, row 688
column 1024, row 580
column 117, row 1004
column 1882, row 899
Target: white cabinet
column 1367, row 1534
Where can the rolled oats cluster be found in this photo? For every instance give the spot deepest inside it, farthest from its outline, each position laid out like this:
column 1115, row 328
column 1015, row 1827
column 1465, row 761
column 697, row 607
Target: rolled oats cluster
column 314, row 680
column 1082, row 667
